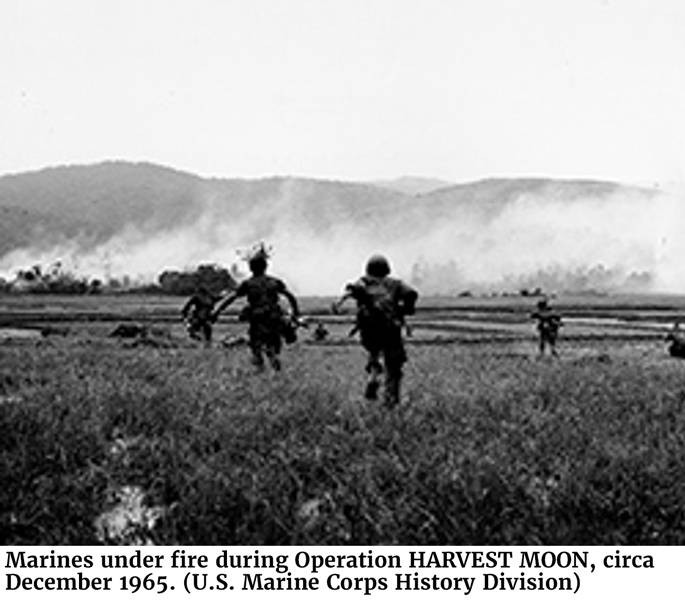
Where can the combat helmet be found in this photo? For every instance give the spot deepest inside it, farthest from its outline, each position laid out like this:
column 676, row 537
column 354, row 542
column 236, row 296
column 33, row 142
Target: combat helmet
column 378, row 266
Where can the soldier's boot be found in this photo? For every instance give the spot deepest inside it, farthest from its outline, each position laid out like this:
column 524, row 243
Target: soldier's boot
column 374, row 369
column 275, row 361
column 207, row 334
column 372, row 387
column 258, row 360
column 393, row 381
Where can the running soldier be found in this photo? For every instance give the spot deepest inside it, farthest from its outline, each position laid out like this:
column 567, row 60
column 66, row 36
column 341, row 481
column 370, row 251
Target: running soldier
column 548, row 325
column 382, row 304
column 268, row 323
column 197, row 315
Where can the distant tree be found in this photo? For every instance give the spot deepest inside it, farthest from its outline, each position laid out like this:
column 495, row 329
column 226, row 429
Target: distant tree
column 172, row 282
column 34, row 273
column 52, row 280
column 213, row 277
column 95, row 286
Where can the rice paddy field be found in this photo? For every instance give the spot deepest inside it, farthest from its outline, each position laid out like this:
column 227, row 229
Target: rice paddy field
column 157, row 439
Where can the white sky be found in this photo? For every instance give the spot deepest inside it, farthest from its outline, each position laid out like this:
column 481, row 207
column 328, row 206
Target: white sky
column 348, row 89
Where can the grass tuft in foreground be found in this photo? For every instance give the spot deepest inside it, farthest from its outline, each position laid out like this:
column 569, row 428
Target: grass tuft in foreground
column 487, row 448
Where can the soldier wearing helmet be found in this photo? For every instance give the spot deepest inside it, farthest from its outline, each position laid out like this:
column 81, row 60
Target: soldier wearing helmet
column 268, row 324
column 382, row 304
column 548, row 325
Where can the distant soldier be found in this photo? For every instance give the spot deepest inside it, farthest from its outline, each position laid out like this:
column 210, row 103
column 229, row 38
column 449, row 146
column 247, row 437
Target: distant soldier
column 676, row 341
column 197, row 315
column 382, row 304
column 269, row 324
column 548, row 325
column 320, row 333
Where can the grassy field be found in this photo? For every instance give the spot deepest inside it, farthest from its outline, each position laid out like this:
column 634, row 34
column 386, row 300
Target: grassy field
column 159, row 440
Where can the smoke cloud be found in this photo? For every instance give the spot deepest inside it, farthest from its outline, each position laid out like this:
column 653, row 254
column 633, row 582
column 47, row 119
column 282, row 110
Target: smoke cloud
column 628, row 241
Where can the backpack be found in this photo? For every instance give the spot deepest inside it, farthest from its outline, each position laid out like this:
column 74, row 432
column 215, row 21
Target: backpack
column 377, row 302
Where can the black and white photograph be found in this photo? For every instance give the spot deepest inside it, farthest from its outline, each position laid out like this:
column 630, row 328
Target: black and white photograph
column 362, row 273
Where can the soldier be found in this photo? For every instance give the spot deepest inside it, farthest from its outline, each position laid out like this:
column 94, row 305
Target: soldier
column 548, row 325
column 676, row 341
column 268, row 324
column 320, row 333
column 197, row 314
column 382, row 304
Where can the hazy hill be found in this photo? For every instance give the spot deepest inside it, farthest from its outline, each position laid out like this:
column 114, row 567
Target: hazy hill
column 143, row 217
column 414, row 186
column 99, row 201
column 489, row 197
column 19, row 227
column 103, row 198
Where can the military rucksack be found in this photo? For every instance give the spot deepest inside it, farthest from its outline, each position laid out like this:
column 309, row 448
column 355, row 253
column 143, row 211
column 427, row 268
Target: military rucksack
column 378, row 304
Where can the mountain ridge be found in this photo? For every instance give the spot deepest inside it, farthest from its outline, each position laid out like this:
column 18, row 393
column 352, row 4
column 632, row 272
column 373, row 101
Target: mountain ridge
column 172, row 218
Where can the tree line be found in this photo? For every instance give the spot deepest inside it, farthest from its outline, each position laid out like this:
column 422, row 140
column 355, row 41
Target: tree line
column 57, row 279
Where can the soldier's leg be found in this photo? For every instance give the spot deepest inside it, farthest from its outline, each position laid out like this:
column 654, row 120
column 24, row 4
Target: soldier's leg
column 256, row 347
column 395, row 357
column 374, row 370
column 273, row 350
column 274, row 359
column 372, row 342
column 257, row 356
column 553, row 344
column 193, row 330
column 207, row 333
column 393, row 381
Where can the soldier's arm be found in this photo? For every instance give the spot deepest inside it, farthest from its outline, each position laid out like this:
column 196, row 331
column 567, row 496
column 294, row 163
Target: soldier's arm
column 356, row 291
column 223, row 304
column 187, row 307
column 337, row 305
column 409, row 298
column 292, row 301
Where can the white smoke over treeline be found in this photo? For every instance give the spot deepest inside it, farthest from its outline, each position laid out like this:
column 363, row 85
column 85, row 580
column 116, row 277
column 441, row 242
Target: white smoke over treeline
column 624, row 242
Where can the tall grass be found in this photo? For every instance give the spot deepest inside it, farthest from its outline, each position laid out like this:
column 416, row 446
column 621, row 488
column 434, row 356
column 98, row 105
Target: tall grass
column 488, row 447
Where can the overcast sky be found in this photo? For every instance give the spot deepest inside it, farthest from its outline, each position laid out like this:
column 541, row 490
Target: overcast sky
column 348, row 89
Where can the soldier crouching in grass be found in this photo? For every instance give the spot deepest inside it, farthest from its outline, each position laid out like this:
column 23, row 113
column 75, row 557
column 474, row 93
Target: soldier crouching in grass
column 268, row 324
column 197, row 315
column 382, row 304
column 548, row 325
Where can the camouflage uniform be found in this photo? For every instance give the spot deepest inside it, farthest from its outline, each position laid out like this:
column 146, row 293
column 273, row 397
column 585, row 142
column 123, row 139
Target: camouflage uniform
column 197, row 313
column 382, row 303
column 268, row 323
column 549, row 323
